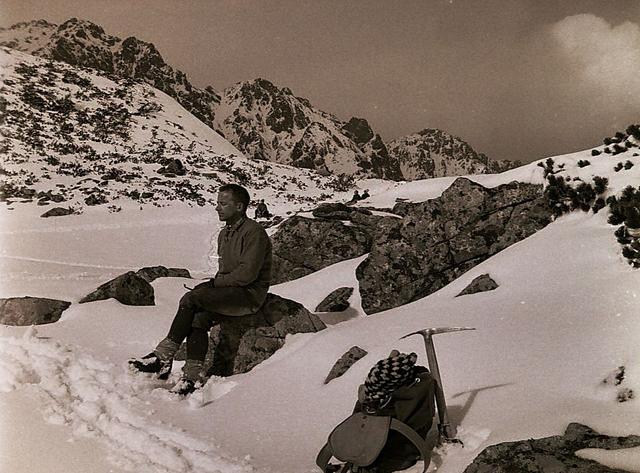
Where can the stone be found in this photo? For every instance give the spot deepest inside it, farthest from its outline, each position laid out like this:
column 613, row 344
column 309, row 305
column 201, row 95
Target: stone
column 31, row 310
column 57, row 212
column 551, row 454
column 337, row 301
column 438, row 240
column 304, row 245
column 128, row 289
column 482, row 283
column 238, row 344
column 151, row 273
column 345, row 362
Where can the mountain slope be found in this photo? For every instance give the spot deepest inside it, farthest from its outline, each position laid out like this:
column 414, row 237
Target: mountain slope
column 84, row 137
column 85, row 44
column 271, row 123
column 435, row 153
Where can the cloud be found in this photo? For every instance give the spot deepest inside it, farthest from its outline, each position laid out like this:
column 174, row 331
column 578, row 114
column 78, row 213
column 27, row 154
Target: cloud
column 604, row 56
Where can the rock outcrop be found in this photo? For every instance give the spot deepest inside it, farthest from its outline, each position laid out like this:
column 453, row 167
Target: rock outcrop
column 240, row 343
column 551, row 454
column 337, row 301
column 31, row 310
column 440, row 239
column 128, row 289
column 345, row 362
column 57, row 212
column 304, row 245
column 482, row 283
column 151, row 273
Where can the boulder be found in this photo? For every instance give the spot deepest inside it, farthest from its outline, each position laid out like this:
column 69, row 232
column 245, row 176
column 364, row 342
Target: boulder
column 482, row 283
column 438, row 240
column 151, row 273
column 57, row 212
column 128, row 288
column 240, row 343
column 345, row 362
column 31, row 310
column 337, row 301
column 551, row 454
column 173, row 167
column 304, row 245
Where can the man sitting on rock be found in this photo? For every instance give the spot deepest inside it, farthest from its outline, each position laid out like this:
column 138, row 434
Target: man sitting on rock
column 238, row 289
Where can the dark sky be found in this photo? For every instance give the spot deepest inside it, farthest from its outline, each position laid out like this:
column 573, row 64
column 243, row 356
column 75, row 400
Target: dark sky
column 520, row 79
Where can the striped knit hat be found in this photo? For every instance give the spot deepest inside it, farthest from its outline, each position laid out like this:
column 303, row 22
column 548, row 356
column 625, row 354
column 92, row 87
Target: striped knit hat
column 388, row 375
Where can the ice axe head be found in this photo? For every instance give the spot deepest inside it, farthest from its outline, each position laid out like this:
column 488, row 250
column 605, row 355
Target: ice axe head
column 428, row 332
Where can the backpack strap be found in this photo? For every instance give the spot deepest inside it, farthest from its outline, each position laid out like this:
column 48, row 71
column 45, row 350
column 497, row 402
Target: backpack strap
column 414, row 438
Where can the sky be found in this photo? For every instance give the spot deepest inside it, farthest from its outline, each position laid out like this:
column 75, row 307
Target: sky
column 516, row 79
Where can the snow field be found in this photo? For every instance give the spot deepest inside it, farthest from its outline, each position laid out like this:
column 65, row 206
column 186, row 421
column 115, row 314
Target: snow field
column 563, row 318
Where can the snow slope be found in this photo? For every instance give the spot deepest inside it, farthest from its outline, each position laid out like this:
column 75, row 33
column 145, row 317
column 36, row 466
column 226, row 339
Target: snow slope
column 563, row 318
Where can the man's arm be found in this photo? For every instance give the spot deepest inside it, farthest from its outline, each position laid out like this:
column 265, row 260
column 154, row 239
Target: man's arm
column 251, row 260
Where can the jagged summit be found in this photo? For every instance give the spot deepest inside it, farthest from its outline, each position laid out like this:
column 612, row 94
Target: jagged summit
column 85, row 44
column 435, row 153
column 268, row 122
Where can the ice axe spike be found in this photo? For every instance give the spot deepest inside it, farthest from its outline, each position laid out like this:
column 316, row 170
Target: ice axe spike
column 446, row 429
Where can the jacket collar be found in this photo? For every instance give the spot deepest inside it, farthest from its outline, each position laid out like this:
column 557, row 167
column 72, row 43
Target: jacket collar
column 234, row 226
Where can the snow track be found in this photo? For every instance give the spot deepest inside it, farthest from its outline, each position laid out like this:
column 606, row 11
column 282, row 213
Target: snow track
column 100, row 401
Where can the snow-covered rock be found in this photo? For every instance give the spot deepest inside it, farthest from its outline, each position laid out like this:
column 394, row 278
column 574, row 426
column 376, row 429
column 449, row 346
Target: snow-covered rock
column 435, row 153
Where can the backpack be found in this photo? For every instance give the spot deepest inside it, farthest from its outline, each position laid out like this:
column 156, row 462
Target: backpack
column 360, row 440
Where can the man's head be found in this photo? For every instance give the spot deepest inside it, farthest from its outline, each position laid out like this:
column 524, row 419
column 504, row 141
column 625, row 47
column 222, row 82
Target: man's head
column 233, row 201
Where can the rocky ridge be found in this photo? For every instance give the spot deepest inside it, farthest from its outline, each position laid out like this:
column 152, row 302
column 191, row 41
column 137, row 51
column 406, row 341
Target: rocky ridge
column 85, row 44
column 435, row 153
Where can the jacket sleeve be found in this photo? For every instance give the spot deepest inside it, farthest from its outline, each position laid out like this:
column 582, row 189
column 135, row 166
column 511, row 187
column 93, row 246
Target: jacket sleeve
column 254, row 249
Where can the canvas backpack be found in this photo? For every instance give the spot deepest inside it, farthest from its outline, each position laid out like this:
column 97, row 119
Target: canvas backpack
column 358, row 440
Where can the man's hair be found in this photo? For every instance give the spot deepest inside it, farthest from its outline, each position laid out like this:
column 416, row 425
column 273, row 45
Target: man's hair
column 239, row 193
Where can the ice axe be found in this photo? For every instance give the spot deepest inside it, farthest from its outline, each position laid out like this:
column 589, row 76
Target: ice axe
column 446, row 429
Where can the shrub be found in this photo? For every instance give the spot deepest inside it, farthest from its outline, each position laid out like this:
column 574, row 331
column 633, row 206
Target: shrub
column 598, row 205
column 628, row 165
column 600, row 184
column 595, row 152
column 634, row 130
column 617, row 149
column 618, row 167
column 607, row 150
column 583, row 163
column 607, row 141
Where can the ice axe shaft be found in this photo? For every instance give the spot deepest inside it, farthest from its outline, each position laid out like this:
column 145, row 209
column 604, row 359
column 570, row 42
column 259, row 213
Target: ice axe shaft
column 447, row 429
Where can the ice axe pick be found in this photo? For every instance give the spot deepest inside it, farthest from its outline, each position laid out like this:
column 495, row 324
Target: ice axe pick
column 446, row 429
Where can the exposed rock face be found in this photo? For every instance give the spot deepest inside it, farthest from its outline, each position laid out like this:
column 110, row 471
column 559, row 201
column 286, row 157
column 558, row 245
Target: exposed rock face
column 482, row 283
column 442, row 238
column 345, row 362
column 337, row 301
column 240, row 343
column 31, row 310
column 57, row 212
column 128, row 288
column 151, row 273
column 267, row 122
column 304, row 245
column 82, row 43
column 435, row 153
column 551, row 454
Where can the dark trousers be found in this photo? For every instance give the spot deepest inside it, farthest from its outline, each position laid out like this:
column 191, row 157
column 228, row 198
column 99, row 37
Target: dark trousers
column 203, row 307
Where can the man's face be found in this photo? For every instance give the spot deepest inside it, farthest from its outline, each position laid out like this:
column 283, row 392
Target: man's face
column 228, row 209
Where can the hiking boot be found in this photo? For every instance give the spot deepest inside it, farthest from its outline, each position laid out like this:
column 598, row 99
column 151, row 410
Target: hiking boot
column 151, row 363
column 185, row 386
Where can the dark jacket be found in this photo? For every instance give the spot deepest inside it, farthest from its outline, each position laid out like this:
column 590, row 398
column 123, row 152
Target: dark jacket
column 245, row 259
